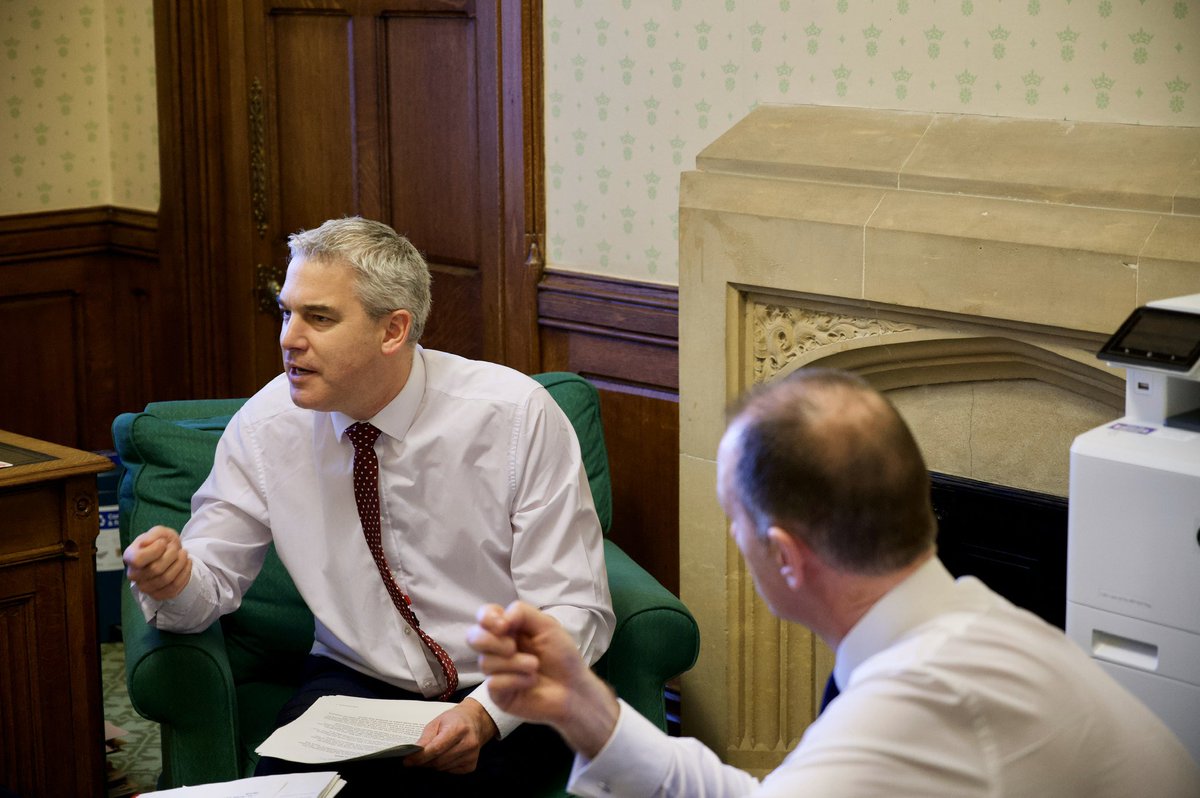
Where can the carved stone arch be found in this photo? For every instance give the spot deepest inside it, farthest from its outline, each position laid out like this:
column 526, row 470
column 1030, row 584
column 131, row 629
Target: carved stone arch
column 909, row 359
column 988, row 407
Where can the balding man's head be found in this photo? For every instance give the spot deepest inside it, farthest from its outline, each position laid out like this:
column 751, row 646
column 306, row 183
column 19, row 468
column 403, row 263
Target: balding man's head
column 824, row 456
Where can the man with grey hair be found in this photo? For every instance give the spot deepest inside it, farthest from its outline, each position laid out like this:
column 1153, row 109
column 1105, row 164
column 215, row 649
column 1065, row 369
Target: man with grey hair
column 947, row 689
column 401, row 487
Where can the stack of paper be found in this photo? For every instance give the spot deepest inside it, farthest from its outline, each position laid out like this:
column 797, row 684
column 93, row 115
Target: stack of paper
column 324, row 784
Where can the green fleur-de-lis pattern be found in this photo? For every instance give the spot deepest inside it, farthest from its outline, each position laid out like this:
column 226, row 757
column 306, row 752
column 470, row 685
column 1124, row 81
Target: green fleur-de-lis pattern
column 634, row 89
column 674, row 74
column 77, row 103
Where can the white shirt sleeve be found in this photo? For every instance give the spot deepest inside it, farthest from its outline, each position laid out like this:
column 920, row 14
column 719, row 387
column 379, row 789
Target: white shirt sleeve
column 505, row 722
column 639, row 761
column 227, row 538
column 558, row 547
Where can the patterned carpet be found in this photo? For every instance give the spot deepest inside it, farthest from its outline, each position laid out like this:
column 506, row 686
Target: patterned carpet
column 138, row 755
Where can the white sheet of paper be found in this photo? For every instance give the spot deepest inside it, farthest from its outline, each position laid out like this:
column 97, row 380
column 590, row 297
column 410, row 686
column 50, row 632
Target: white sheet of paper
column 343, row 728
column 324, row 784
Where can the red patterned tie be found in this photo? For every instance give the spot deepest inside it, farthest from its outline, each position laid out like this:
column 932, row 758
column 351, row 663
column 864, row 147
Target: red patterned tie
column 366, row 496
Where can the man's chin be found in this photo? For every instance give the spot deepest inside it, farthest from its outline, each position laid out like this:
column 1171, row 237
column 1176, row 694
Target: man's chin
column 305, row 399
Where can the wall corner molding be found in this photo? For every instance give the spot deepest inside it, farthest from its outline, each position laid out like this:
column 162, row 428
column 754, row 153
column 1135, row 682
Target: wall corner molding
column 78, row 231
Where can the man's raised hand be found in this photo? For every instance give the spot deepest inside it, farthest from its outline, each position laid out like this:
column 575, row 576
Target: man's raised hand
column 157, row 563
column 535, row 672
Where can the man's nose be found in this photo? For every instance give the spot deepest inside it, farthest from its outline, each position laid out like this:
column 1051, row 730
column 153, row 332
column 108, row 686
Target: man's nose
column 290, row 334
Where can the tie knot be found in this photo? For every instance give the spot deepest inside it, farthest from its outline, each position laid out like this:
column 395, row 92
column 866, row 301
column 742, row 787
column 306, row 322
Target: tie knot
column 363, row 435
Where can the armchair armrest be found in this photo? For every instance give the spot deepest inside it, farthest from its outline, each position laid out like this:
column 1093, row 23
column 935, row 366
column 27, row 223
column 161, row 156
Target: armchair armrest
column 656, row 638
column 183, row 682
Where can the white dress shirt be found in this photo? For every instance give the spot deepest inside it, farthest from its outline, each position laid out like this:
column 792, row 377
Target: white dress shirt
column 483, row 498
column 949, row 691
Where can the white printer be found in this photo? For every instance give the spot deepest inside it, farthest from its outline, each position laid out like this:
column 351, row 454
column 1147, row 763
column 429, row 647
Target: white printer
column 1133, row 551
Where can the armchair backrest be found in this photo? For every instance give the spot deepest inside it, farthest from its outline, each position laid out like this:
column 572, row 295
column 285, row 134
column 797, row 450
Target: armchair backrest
column 580, row 401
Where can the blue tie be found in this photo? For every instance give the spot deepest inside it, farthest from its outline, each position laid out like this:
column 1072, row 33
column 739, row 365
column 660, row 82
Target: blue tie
column 831, row 692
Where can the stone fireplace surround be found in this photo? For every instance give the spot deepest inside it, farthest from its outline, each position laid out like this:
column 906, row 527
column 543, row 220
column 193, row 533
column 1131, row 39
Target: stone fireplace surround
column 968, row 266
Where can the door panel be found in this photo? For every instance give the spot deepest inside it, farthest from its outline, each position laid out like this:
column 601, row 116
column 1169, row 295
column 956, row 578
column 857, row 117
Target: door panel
column 433, row 140
column 290, row 112
column 312, row 119
column 456, row 321
column 387, row 109
column 437, row 173
column 301, row 59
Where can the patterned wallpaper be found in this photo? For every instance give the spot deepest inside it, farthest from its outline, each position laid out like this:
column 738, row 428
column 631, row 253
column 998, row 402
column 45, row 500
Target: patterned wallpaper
column 77, row 103
column 635, row 88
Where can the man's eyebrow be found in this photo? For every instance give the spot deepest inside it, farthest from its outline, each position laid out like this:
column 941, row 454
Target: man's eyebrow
column 323, row 310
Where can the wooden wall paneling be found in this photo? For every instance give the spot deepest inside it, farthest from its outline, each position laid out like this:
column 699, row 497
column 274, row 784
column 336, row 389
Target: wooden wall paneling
column 48, row 264
column 46, row 398
column 642, row 433
column 27, row 234
column 73, row 286
column 144, row 322
column 623, row 336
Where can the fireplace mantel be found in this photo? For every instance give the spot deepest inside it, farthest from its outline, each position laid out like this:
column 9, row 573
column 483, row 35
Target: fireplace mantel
column 968, row 266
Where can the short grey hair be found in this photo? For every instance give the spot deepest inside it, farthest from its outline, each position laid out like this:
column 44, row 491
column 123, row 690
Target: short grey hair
column 390, row 272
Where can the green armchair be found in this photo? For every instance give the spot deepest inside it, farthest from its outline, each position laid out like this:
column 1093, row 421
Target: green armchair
column 216, row 694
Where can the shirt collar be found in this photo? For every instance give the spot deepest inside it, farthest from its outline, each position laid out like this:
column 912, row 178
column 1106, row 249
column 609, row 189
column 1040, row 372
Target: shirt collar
column 398, row 415
column 920, row 597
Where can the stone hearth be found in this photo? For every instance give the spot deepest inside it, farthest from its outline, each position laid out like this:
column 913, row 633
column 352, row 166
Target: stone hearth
column 968, row 266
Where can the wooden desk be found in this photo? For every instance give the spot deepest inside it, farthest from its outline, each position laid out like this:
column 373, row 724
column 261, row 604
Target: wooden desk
column 51, row 714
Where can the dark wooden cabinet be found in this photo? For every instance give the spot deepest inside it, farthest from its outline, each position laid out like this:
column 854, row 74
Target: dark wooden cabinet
column 51, row 716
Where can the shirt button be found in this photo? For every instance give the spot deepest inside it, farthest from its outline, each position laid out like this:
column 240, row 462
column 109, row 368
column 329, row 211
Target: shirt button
column 407, row 631
column 428, row 684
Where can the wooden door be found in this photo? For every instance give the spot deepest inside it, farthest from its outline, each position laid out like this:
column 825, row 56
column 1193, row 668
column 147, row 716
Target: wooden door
column 407, row 111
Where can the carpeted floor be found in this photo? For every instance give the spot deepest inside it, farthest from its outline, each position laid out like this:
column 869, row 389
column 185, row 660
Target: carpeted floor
column 138, row 755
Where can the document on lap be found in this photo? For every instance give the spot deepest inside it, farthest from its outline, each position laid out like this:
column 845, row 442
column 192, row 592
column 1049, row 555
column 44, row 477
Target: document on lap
column 340, row 728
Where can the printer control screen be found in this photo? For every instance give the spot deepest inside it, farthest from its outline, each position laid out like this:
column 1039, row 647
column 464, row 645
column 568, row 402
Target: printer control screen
column 1156, row 336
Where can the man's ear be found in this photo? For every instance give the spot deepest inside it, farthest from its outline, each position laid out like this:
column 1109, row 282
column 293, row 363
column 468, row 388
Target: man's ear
column 791, row 555
column 395, row 332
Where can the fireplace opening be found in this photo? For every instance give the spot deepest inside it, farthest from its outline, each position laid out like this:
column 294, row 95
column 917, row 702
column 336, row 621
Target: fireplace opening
column 1014, row 540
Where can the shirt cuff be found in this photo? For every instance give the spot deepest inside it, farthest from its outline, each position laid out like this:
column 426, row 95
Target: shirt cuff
column 161, row 614
column 628, row 764
column 505, row 722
